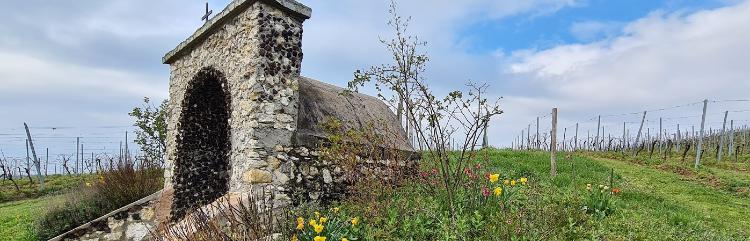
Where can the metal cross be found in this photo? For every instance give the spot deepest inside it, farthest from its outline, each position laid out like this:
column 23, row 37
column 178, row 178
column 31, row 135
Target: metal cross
column 208, row 13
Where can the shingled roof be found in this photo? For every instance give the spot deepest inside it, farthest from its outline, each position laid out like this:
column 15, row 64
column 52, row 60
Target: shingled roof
column 318, row 102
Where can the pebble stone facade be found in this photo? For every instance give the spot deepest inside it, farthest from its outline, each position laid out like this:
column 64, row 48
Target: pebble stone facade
column 256, row 47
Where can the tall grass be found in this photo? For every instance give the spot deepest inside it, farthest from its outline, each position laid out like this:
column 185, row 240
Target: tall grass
column 111, row 189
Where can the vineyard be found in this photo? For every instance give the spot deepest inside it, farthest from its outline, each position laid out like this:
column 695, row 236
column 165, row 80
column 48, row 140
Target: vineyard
column 665, row 133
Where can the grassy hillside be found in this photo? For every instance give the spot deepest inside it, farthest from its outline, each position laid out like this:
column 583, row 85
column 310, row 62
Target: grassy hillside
column 660, row 200
column 53, row 184
column 17, row 217
column 655, row 203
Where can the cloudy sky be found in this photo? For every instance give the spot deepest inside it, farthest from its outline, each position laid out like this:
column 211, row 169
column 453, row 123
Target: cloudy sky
column 80, row 66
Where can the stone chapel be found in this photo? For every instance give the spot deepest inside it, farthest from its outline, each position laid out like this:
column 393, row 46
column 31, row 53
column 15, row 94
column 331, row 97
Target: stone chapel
column 242, row 120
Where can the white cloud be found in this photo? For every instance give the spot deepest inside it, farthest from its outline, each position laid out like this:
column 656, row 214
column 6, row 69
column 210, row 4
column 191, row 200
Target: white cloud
column 662, row 59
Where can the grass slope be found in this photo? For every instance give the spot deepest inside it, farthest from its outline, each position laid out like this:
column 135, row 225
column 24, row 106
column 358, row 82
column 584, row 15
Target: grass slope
column 655, row 204
column 17, row 217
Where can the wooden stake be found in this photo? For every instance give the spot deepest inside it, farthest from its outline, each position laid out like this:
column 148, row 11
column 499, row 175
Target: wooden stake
column 36, row 160
column 553, row 144
column 638, row 137
column 698, row 149
column 575, row 138
column 722, row 137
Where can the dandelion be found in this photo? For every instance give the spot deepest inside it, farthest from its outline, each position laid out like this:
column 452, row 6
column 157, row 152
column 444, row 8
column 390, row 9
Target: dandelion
column 300, row 223
column 494, row 177
column 355, row 221
column 318, row 228
column 498, row 191
column 513, row 182
column 319, row 238
column 524, row 180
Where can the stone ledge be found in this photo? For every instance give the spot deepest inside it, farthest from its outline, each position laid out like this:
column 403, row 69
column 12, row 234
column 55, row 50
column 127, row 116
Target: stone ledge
column 235, row 7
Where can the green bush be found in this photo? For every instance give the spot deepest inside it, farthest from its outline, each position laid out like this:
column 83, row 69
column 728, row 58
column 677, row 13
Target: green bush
column 76, row 210
column 108, row 191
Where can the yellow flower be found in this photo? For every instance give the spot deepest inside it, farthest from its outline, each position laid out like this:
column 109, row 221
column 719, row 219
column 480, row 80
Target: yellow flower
column 344, row 239
column 300, row 223
column 318, row 228
column 323, row 220
column 494, row 177
column 336, row 210
column 88, row 184
column 317, row 214
column 319, row 238
column 506, row 182
column 513, row 182
column 588, row 186
column 498, row 191
column 355, row 221
column 313, row 222
column 524, row 180
column 294, row 237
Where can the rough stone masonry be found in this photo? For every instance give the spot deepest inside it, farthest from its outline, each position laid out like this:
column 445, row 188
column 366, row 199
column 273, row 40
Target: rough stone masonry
column 243, row 120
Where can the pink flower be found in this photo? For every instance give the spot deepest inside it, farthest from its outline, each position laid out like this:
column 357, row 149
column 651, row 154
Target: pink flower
column 485, row 192
column 424, row 174
column 434, row 171
column 477, row 166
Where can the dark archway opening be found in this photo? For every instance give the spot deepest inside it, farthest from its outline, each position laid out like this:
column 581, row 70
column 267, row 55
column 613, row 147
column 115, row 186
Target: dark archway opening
column 201, row 172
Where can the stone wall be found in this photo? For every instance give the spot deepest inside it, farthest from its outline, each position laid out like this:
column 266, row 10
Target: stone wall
column 320, row 180
column 256, row 45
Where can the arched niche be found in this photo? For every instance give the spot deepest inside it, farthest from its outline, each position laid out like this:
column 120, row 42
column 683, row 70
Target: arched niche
column 201, row 171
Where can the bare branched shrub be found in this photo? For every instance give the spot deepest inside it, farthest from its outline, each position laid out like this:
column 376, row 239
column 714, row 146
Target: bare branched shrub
column 371, row 159
column 435, row 121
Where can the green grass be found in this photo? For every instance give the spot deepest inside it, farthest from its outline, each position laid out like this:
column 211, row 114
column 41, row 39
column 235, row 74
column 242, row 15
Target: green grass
column 657, row 202
column 17, row 217
column 54, row 184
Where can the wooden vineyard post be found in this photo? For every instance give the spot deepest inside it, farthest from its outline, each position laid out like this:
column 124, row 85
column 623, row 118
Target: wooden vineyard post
column 678, row 138
column 78, row 141
column 698, row 149
column 638, row 137
column 553, row 144
column 731, row 137
column 598, row 127
column 722, row 136
column 622, row 143
column 537, row 140
column 575, row 139
column 658, row 139
column 36, row 160
column 565, row 131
